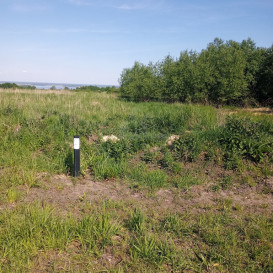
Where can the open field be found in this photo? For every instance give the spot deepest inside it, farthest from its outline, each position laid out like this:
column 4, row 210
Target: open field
column 200, row 201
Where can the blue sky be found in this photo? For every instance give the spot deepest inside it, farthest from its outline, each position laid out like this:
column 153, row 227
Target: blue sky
column 92, row 41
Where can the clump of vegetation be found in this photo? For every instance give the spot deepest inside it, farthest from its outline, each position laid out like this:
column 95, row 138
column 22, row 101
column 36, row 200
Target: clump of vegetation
column 188, row 147
column 246, row 138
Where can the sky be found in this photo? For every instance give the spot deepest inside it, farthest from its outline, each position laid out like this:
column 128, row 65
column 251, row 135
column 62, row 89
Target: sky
column 92, row 41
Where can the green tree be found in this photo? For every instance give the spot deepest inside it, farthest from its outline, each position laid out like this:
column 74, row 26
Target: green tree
column 225, row 79
column 264, row 87
column 190, row 74
column 8, row 85
column 254, row 59
column 139, row 83
column 171, row 82
column 223, row 73
column 181, row 78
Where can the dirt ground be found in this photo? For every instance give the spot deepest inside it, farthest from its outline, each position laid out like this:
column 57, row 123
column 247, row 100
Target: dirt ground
column 67, row 194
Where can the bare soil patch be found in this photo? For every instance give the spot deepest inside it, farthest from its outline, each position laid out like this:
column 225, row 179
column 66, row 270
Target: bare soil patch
column 67, row 195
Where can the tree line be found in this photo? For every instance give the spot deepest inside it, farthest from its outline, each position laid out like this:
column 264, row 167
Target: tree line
column 226, row 72
column 8, row 85
column 109, row 89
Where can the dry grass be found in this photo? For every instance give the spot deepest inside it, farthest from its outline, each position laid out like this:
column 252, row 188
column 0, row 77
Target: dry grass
column 37, row 91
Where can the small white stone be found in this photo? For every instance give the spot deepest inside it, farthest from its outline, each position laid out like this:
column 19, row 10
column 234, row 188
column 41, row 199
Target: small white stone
column 172, row 139
column 111, row 138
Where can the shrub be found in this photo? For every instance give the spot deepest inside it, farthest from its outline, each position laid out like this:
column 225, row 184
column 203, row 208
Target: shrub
column 247, row 138
column 116, row 150
column 167, row 160
column 188, row 147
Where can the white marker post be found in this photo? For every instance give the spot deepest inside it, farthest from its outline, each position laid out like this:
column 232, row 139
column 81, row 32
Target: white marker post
column 77, row 168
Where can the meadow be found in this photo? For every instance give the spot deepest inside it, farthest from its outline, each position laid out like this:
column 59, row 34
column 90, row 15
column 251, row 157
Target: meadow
column 184, row 188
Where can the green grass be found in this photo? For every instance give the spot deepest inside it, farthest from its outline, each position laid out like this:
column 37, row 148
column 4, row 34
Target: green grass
column 226, row 240
column 185, row 181
column 30, row 229
column 141, row 176
column 136, row 222
column 37, row 131
column 214, row 152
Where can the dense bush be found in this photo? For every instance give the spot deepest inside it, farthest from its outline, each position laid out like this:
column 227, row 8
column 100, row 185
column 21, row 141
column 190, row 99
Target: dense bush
column 188, row 147
column 223, row 73
column 244, row 137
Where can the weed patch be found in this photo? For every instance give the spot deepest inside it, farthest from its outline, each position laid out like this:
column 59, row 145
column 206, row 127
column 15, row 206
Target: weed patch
column 243, row 137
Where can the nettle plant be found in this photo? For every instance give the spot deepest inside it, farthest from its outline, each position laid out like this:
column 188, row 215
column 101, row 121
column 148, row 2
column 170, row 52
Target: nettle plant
column 246, row 138
column 188, row 147
column 116, row 150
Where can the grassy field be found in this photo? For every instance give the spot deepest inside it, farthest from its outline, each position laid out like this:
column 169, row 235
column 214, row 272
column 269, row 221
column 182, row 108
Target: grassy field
column 185, row 188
